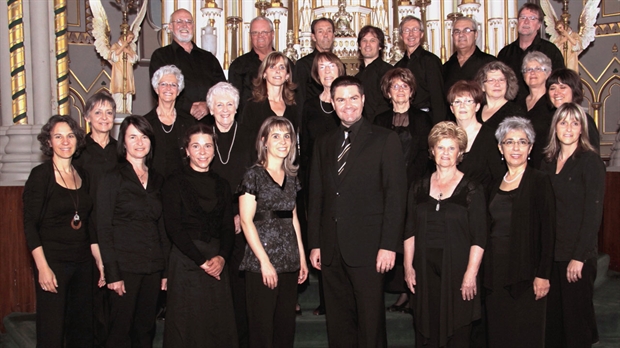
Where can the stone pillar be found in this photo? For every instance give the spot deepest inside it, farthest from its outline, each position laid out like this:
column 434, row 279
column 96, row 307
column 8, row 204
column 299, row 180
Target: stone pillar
column 41, row 63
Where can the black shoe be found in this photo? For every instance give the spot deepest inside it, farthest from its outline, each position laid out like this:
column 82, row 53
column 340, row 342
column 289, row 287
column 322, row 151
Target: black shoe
column 320, row 310
column 398, row 308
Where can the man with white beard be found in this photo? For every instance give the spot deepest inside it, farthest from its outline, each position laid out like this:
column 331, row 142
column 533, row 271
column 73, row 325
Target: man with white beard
column 200, row 68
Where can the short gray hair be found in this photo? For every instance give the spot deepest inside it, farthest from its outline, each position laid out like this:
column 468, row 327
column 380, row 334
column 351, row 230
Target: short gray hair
column 407, row 19
column 262, row 18
column 220, row 89
column 168, row 70
column 540, row 57
column 466, row 18
column 515, row 123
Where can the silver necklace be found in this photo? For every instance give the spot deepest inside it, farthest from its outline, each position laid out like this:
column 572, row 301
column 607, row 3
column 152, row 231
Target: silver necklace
column 217, row 148
column 321, row 104
column 514, row 179
column 173, row 122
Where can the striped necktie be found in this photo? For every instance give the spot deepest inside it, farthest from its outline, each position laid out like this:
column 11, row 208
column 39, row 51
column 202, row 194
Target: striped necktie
column 344, row 151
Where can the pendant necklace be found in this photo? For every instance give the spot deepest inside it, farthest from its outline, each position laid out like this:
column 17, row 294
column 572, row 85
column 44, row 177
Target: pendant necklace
column 438, row 202
column 76, row 223
column 515, row 178
column 217, row 148
column 321, row 104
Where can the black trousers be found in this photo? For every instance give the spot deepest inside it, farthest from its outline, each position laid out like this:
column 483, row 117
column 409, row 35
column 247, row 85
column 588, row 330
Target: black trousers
column 132, row 316
column 66, row 318
column 101, row 310
column 271, row 313
column 571, row 321
column 354, row 304
column 237, row 285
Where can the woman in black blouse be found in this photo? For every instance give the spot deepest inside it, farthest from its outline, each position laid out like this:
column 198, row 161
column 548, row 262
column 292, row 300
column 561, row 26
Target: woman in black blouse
column 500, row 86
column 317, row 119
column 234, row 154
column 564, row 86
column 132, row 237
column 519, row 255
column 169, row 122
column 536, row 68
column 481, row 160
column 275, row 261
column 578, row 177
column 446, row 232
column 199, row 220
column 412, row 126
column 273, row 93
column 57, row 207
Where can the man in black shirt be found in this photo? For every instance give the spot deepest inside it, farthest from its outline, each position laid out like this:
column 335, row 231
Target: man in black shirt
column 200, row 68
column 244, row 68
column 323, row 38
column 528, row 27
column 426, row 67
column 371, row 42
column 468, row 58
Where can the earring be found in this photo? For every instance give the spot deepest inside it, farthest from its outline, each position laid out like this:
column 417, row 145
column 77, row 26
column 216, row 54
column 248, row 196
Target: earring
column 502, row 157
column 528, row 157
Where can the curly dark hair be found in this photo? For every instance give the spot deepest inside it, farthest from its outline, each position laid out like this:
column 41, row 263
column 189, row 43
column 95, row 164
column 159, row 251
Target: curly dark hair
column 45, row 136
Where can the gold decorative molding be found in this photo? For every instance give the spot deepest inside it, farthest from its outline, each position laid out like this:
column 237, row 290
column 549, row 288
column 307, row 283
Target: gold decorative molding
column 596, row 79
column 62, row 55
column 17, row 61
column 607, row 29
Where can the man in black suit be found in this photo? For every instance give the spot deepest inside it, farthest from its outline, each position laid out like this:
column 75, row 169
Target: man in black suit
column 357, row 208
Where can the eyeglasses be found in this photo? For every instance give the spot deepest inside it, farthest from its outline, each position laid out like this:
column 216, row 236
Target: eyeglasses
column 494, row 81
column 468, row 102
column 168, row 85
column 183, row 21
column 531, row 18
column 411, row 30
column 260, row 33
column 402, row 87
column 512, row 142
column 457, row 32
column 536, row 69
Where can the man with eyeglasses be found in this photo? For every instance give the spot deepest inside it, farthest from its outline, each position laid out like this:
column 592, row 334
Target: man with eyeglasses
column 371, row 42
column 530, row 19
column 467, row 58
column 200, row 68
column 244, row 68
column 425, row 67
column 323, row 37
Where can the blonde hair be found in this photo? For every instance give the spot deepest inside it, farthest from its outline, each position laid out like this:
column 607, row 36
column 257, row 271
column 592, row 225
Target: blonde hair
column 447, row 130
column 567, row 111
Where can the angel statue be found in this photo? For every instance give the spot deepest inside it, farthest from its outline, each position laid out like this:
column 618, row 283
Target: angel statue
column 122, row 55
column 570, row 43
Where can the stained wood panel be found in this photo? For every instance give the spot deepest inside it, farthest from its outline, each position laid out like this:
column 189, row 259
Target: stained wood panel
column 16, row 277
column 609, row 235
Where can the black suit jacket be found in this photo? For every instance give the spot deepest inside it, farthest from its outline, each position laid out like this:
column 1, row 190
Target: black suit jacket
column 363, row 209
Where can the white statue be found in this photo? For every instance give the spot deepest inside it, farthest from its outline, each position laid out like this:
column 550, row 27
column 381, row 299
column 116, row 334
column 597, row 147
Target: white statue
column 122, row 55
column 577, row 42
column 209, row 39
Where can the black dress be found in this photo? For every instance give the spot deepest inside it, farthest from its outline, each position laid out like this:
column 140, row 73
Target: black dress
column 235, row 153
column 510, row 108
column 255, row 113
column 464, row 225
column 483, row 163
column 414, row 140
column 199, row 220
column 520, row 249
column 66, row 316
column 541, row 116
column 168, row 152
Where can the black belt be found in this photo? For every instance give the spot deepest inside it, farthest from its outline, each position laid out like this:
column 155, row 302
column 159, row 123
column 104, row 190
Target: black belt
column 273, row 214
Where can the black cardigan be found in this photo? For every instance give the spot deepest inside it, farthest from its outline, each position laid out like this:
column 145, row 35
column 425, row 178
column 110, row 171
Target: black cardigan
column 532, row 233
column 579, row 192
